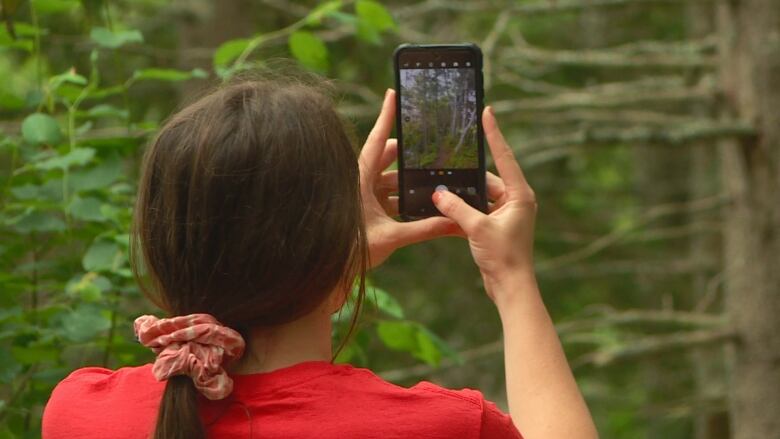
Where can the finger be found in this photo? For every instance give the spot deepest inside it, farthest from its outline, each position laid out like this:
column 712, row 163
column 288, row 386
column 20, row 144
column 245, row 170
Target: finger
column 377, row 138
column 388, row 182
column 495, row 187
column 390, row 205
column 452, row 206
column 505, row 160
column 425, row 229
column 389, row 154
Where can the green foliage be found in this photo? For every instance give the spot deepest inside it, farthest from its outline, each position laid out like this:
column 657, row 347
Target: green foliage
column 170, row 75
column 78, row 121
column 373, row 20
column 414, row 338
column 39, row 128
column 113, row 40
column 309, row 50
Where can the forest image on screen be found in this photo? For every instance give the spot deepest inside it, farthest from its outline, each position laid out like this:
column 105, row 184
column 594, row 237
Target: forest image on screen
column 439, row 111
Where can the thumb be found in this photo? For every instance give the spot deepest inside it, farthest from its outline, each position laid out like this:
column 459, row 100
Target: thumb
column 453, row 207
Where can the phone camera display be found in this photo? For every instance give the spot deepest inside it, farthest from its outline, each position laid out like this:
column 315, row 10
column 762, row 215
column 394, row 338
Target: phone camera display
column 440, row 118
column 440, row 136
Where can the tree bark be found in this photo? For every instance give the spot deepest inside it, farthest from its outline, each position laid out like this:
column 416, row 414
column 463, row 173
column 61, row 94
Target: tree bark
column 749, row 47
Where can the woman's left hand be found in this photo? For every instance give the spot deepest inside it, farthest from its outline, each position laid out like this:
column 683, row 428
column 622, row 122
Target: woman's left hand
column 386, row 234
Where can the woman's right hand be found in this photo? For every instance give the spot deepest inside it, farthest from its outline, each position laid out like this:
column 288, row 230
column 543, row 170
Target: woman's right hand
column 502, row 241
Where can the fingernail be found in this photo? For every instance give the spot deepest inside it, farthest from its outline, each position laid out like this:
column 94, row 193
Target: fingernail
column 490, row 110
column 387, row 92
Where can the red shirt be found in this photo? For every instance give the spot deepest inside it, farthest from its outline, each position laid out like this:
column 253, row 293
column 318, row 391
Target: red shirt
column 310, row 399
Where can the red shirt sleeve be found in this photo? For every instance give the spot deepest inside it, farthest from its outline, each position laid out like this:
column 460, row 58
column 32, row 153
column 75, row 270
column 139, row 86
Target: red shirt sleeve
column 497, row 424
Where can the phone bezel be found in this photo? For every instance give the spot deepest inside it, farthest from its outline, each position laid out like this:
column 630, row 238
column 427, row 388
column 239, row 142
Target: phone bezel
column 477, row 53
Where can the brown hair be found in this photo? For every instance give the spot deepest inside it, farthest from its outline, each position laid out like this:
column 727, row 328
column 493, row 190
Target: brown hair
column 248, row 209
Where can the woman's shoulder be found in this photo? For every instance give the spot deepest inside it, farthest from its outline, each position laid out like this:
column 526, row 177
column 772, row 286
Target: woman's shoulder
column 460, row 409
column 96, row 395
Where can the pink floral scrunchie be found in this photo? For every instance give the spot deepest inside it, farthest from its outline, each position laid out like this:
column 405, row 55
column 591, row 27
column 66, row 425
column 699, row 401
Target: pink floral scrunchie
column 195, row 345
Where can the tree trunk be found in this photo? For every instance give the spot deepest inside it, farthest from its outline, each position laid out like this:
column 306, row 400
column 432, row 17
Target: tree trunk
column 750, row 73
column 707, row 363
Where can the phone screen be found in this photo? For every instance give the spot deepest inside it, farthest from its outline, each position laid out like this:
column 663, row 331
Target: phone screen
column 440, row 134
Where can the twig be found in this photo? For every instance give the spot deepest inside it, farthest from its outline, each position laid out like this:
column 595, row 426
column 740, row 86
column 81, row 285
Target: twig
column 497, row 346
column 641, row 317
column 626, row 98
column 641, row 134
column 419, row 370
column 654, row 345
column 633, row 267
column 489, row 44
column 607, row 116
column 713, row 286
column 541, row 7
column 616, row 235
column 649, row 54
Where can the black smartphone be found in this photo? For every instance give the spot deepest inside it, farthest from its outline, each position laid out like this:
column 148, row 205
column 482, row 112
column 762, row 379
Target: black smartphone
column 439, row 126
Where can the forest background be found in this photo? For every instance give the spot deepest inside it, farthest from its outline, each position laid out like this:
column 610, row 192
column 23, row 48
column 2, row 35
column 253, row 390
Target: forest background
column 650, row 130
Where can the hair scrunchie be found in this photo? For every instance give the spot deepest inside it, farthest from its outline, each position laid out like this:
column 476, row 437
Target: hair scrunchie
column 195, row 345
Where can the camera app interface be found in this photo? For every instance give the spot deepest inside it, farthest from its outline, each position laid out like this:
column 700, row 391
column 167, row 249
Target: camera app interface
column 440, row 128
column 439, row 108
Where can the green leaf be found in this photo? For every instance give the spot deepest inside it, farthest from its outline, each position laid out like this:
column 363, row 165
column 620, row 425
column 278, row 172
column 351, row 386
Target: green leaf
column 414, row 339
column 37, row 221
column 112, row 40
column 26, row 191
column 102, row 255
column 427, row 351
column 106, row 111
column 55, row 6
column 309, row 50
column 39, row 128
column 385, row 302
column 373, row 19
column 344, row 18
column 84, row 323
column 87, row 209
column 229, row 51
column 325, row 9
column 9, row 367
column 398, row 335
column 171, row 75
column 89, row 287
column 97, row 177
column 374, row 15
column 11, row 102
column 77, row 157
column 35, row 354
column 69, row 76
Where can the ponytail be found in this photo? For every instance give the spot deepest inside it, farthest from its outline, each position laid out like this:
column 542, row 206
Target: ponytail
column 178, row 417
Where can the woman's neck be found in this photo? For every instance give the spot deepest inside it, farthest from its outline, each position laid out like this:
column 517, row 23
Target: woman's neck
column 305, row 339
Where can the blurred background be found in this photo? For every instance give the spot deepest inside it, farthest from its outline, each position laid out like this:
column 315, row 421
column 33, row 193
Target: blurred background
column 650, row 130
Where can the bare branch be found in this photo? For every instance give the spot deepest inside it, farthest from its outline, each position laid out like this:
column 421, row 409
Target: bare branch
column 540, row 7
column 622, row 267
column 641, row 317
column 654, row 345
column 610, row 239
column 613, row 99
column 497, row 347
column 489, row 43
column 606, row 117
column 646, row 54
column 641, row 134
column 478, row 352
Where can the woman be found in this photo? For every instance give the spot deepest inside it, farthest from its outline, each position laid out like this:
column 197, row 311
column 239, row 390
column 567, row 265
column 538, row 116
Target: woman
column 254, row 216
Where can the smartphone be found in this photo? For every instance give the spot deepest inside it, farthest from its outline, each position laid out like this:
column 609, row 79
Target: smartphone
column 439, row 126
